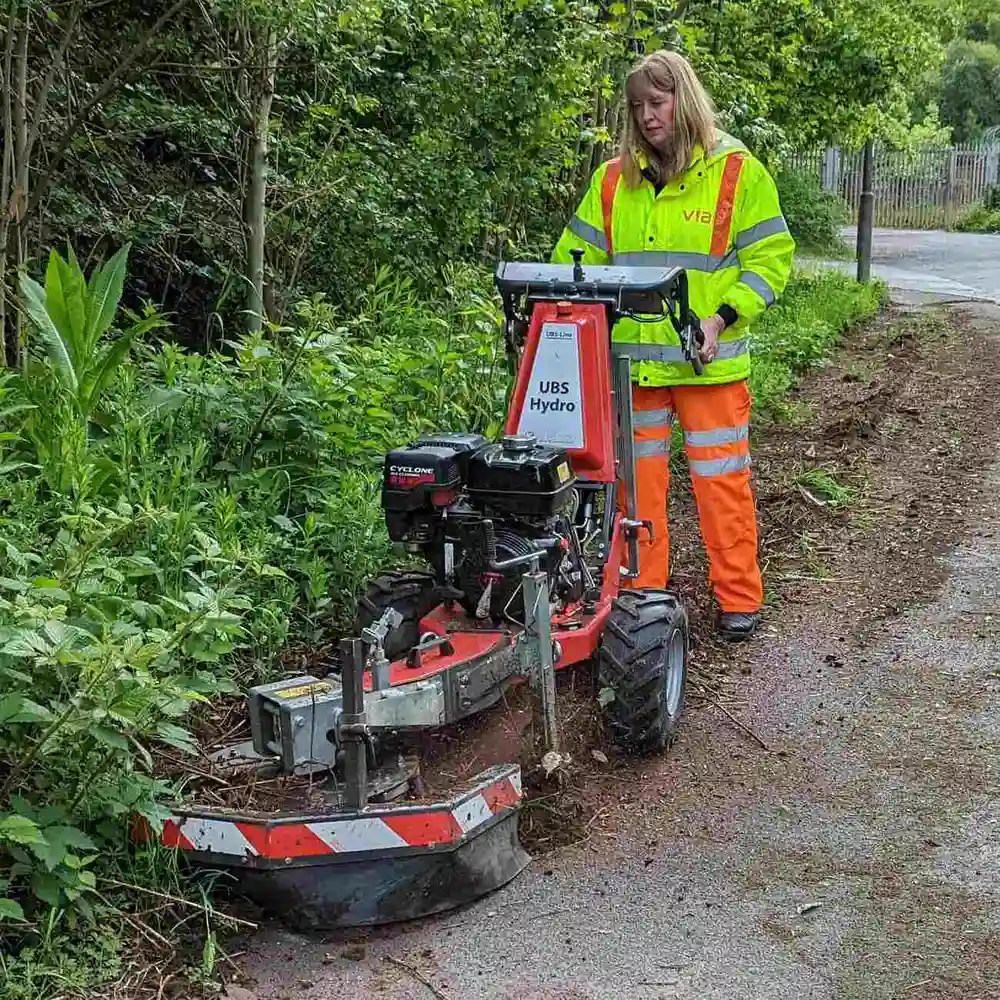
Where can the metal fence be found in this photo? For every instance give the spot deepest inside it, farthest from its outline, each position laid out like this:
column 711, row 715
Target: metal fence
column 924, row 189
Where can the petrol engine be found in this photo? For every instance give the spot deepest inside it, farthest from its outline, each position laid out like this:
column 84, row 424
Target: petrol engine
column 469, row 507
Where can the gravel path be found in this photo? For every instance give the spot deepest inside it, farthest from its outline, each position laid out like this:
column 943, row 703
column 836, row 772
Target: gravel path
column 856, row 858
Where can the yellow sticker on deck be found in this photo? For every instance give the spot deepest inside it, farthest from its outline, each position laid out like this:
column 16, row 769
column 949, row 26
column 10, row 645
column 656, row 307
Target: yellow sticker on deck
column 320, row 687
column 562, row 471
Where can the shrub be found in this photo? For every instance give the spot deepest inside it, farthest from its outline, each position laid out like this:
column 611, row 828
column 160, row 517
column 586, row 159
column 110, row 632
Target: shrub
column 814, row 216
column 984, row 217
column 175, row 529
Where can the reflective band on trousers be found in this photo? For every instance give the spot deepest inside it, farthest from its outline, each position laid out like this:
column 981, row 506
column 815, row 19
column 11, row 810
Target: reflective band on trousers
column 656, row 352
column 689, row 260
column 652, row 418
column 716, row 436
column 651, row 449
column 761, row 231
column 759, row 285
column 587, row 232
column 718, row 466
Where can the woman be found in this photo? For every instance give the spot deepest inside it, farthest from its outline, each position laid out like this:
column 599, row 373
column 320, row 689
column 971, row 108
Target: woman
column 683, row 194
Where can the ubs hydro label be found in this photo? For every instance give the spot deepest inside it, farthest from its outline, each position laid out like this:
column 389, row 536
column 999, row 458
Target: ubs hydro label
column 553, row 409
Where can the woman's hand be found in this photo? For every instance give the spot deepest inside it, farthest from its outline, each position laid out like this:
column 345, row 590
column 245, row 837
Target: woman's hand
column 711, row 328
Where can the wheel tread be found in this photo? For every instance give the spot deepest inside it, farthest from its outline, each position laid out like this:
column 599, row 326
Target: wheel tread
column 632, row 660
column 410, row 592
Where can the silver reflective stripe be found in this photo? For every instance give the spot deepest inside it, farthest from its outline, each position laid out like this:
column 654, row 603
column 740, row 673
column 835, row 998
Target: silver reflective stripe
column 652, row 418
column 593, row 235
column 718, row 436
column 728, row 349
column 761, row 231
column 690, row 261
column 651, row 449
column 731, row 349
column 648, row 352
column 719, row 466
column 759, row 285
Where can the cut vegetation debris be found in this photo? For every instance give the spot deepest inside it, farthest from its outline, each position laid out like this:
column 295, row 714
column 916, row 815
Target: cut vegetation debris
column 821, row 488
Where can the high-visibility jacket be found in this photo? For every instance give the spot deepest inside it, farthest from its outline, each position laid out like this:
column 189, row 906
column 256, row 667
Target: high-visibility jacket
column 720, row 220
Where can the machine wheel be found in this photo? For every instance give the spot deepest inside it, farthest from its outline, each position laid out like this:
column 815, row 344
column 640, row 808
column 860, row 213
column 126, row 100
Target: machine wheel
column 643, row 661
column 411, row 593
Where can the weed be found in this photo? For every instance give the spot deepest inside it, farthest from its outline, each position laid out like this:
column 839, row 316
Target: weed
column 814, row 216
column 980, row 219
column 798, row 332
column 823, row 488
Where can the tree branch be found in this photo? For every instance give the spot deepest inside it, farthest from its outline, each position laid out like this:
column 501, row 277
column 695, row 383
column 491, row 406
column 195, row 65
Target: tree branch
column 129, row 60
column 45, row 87
column 20, row 92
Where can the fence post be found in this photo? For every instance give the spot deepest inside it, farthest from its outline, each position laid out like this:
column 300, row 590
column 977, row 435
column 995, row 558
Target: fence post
column 831, row 168
column 992, row 165
column 951, row 189
column 866, row 215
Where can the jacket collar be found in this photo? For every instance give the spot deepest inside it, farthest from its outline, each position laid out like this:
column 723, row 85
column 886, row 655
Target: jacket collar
column 724, row 145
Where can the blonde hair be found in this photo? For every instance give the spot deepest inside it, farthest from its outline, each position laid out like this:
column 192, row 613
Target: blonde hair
column 694, row 117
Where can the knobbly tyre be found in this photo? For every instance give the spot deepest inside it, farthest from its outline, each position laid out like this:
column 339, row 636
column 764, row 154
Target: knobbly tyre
column 527, row 543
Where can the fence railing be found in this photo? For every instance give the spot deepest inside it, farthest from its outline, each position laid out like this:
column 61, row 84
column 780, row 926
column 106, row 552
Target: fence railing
column 924, row 189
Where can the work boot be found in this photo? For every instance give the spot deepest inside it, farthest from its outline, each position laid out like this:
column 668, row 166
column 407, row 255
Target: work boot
column 737, row 625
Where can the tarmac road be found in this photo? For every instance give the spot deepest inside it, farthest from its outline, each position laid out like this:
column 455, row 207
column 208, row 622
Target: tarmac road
column 958, row 266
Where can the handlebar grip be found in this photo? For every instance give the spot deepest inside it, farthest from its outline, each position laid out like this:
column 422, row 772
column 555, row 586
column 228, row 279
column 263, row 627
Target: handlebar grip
column 697, row 339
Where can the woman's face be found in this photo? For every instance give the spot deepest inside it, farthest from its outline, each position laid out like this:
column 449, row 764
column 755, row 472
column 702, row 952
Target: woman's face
column 654, row 114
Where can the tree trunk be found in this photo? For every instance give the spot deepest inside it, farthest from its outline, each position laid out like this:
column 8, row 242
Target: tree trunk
column 256, row 189
column 7, row 163
column 18, row 235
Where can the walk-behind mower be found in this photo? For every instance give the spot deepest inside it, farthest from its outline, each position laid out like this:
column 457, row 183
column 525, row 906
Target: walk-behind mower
column 527, row 545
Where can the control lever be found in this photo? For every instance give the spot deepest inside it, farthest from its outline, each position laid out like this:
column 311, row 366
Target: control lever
column 375, row 635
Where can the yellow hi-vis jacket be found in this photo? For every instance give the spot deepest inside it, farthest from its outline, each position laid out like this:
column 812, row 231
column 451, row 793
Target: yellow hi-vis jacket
column 721, row 221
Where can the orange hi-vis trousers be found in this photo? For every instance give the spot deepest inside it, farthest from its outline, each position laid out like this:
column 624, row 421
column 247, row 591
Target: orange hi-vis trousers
column 716, row 423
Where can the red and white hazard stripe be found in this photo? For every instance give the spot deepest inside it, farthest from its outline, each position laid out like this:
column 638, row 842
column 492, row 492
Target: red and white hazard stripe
column 437, row 824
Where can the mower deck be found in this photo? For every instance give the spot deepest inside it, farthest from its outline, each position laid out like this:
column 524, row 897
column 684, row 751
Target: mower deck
column 378, row 865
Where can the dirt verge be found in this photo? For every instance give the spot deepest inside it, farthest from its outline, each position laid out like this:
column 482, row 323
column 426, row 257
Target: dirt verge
column 858, row 496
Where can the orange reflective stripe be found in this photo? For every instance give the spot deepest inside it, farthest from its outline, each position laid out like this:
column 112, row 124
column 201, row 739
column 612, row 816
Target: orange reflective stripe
column 611, row 177
column 724, row 206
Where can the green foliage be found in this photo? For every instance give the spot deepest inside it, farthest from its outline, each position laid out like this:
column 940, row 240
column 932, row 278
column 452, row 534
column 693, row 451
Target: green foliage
column 822, row 485
column 422, row 136
column 58, row 965
column 800, row 330
column 970, row 89
column 979, row 219
column 982, row 218
column 65, row 382
column 229, row 507
column 814, row 216
column 983, row 21
column 833, row 70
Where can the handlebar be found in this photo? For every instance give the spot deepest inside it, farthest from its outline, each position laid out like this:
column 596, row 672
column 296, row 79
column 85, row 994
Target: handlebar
column 645, row 294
